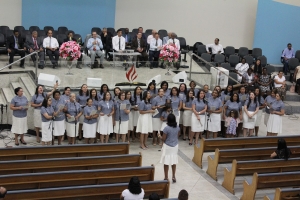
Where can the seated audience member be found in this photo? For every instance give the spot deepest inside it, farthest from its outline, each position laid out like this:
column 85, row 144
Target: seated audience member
column 165, row 39
column 127, row 37
column 183, row 195
column 15, row 45
column 241, row 69
column 150, row 37
column 297, row 78
column 282, row 152
column 118, row 41
column 140, row 30
column 279, row 84
column 34, row 43
column 287, row 54
column 52, row 48
column 3, row 192
column 249, row 79
column 154, row 196
column 173, row 40
column 216, row 48
column 257, row 68
column 70, row 38
column 139, row 45
column 155, row 47
column 264, row 82
column 95, row 45
column 106, row 38
column 134, row 191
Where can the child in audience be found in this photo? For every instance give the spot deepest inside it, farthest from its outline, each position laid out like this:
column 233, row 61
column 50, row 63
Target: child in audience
column 232, row 123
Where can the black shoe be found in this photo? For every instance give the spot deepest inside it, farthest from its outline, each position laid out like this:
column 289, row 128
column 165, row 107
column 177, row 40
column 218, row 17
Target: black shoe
column 78, row 66
column 41, row 66
column 101, row 66
column 22, row 66
column 151, row 67
column 9, row 67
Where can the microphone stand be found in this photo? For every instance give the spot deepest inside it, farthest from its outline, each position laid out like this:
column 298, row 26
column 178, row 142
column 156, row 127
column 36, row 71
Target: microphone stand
column 52, row 129
column 75, row 123
column 119, row 119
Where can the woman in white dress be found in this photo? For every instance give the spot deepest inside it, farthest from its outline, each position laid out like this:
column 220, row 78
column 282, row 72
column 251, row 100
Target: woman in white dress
column 90, row 121
column 182, row 96
column 105, row 123
column 81, row 98
column 251, row 108
column 94, row 96
column 268, row 101
column 130, row 121
column 135, row 101
column 176, row 103
column 19, row 106
column 261, row 102
column 59, row 122
column 187, row 114
column 214, row 110
column 274, row 125
column 144, row 124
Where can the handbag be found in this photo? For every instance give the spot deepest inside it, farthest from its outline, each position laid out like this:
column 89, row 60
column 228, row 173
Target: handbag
column 292, row 88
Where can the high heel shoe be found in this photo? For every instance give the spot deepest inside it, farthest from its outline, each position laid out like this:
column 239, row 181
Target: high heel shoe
column 23, row 142
column 174, row 180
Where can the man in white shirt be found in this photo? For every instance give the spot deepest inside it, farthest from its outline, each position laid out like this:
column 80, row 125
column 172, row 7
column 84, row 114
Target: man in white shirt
column 165, row 39
column 118, row 41
column 241, row 69
column 216, row 48
column 155, row 47
column 51, row 45
column 95, row 45
column 173, row 40
column 150, row 37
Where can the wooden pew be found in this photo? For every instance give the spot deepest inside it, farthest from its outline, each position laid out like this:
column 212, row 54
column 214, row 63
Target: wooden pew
column 272, row 180
column 209, row 145
column 259, row 166
column 73, row 163
column 90, row 192
column 285, row 193
column 226, row 156
column 63, row 151
column 75, row 178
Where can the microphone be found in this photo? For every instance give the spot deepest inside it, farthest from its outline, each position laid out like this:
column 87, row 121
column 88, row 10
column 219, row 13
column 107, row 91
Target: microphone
column 75, row 111
column 2, row 108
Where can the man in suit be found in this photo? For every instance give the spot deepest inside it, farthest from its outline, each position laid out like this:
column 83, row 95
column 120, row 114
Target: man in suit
column 106, row 38
column 140, row 45
column 15, row 45
column 70, row 38
column 141, row 30
column 165, row 39
column 51, row 45
column 128, row 38
column 34, row 43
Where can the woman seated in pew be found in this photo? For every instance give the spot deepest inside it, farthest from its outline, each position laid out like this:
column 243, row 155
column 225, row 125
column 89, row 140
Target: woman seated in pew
column 134, row 191
column 282, row 151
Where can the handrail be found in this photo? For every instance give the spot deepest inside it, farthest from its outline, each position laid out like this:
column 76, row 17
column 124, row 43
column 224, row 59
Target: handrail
column 193, row 54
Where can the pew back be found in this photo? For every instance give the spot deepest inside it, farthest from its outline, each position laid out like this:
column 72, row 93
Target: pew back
column 284, row 194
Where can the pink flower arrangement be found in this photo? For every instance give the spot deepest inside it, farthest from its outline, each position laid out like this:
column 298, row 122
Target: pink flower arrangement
column 169, row 53
column 70, row 51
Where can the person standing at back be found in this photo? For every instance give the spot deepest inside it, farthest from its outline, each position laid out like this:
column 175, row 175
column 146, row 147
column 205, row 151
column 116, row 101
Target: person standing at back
column 287, row 54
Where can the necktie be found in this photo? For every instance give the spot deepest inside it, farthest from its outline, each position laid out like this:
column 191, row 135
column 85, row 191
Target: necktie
column 173, row 41
column 17, row 42
column 94, row 48
column 35, row 44
column 139, row 43
column 126, row 38
column 156, row 43
column 50, row 43
column 119, row 43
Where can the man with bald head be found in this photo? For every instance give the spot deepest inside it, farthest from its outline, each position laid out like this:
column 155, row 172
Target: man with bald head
column 35, row 43
column 174, row 40
column 165, row 39
column 150, row 37
column 3, row 192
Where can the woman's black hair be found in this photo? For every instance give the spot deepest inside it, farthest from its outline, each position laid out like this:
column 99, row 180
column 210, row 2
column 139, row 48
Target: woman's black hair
column 66, row 89
column 154, row 196
column 258, row 68
column 171, row 93
column 185, row 88
column 134, row 94
column 120, row 94
column 243, row 59
column 216, row 92
column 171, row 120
column 258, row 97
column 134, row 185
column 244, row 88
column 130, row 100
column 236, row 114
column 281, row 144
column 188, row 95
column 90, row 98
column 192, row 82
column 104, row 95
column 55, row 92
column 164, row 82
column 81, row 92
column 45, row 102
column 91, row 91
column 238, row 98
column 101, row 88
column 37, row 91
column 17, row 90
column 249, row 100
column 167, row 106
column 198, row 96
column 226, row 90
column 115, row 90
column 152, row 83
column 145, row 94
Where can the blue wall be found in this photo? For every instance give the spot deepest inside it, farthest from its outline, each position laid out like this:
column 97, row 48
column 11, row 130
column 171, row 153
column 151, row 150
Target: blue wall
column 277, row 24
column 78, row 15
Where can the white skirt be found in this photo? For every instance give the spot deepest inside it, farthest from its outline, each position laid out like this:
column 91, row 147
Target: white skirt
column 135, row 115
column 274, row 124
column 37, row 117
column 187, row 115
column 70, row 128
column 123, row 127
column 19, row 125
column 130, row 121
column 163, row 125
column 249, row 124
column 169, row 155
column 266, row 118
column 81, row 118
column 181, row 117
column 258, row 117
column 144, row 124
column 47, row 131
column 196, row 126
column 59, row 128
column 178, row 118
column 214, row 123
column 89, row 130
column 105, row 125
column 156, row 123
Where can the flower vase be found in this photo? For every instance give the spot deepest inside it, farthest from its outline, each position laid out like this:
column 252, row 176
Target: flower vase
column 168, row 66
column 70, row 66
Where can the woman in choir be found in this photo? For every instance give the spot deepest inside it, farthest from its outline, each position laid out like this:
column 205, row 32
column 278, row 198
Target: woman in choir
column 243, row 95
column 117, row 91
column 182, row 96
column 122, row 110
column 19, row 106
column 152, row 89
column 130, row 120
column 73, row 112
column 164, row 116
column 36, row 102
column 158, row 103
column 144, row 124
column 94, row 96
column 206, row 90
column 66, row 94
column 105, row 123
column 268, row 102
column 193, row 87
column 90, row 121
column 218, row 88
column 81, row 98
column 251, row 108
column 274, row 125
column 176, row 103
column 187, row 114
column 225, row 96
column 104, row 88
column 199, row 108
column 48, row 115
column 261, row 102
column 58, row 104
column 165, row 86
column 136, row 99
column 214, row 110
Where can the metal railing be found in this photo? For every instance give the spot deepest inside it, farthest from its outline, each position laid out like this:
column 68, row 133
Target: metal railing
column 209, row 64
